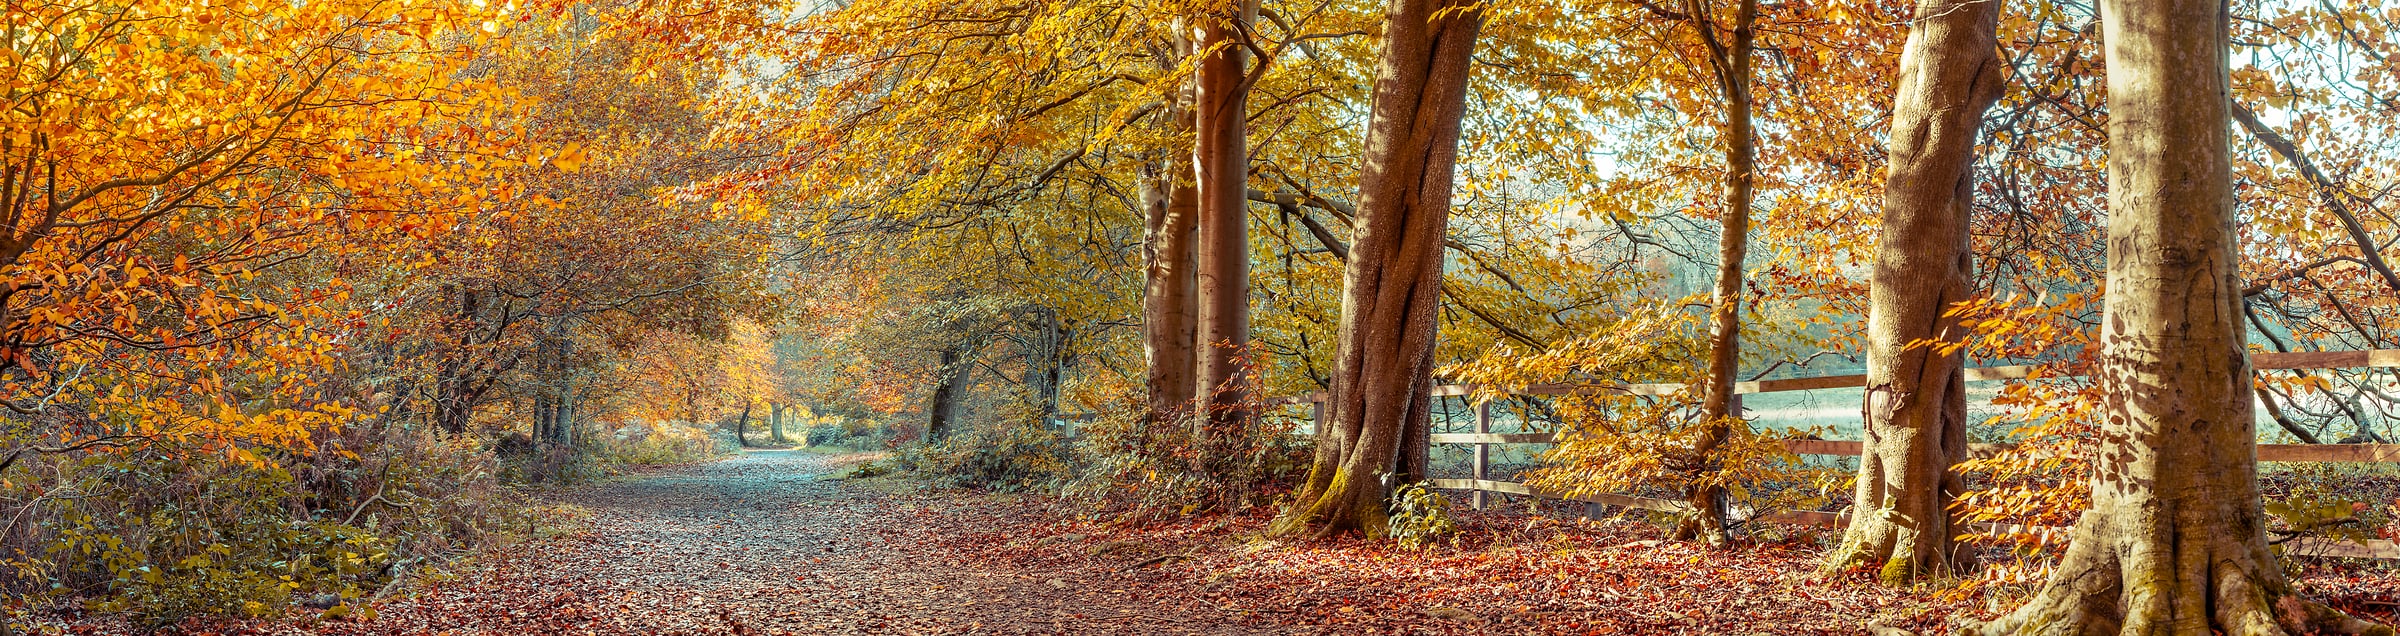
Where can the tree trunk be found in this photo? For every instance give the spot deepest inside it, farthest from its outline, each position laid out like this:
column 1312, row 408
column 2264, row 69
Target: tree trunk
column 943, row 412
column 564, row 427
column 1731, row 65
column 1167, row 308
column 775, row 422
column 1221, row 160
column 2175, row 542
column 1391, row 290
column 741, row 427
column 1170, row 210
column 1915, row 410
column 1046, row 362
column 454, row 397
column 543, row 418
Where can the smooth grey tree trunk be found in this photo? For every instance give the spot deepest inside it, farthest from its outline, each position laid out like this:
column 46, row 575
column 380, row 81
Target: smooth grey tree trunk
column 2175, row 542
column 1391, row 287
column 1915, row 410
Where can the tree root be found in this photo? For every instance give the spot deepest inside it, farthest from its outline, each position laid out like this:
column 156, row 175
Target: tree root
column 1892, row 552
column 2155, row 582
column 1341, row 507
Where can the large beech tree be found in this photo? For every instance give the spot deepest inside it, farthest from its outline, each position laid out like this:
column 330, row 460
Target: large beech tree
column 1221, row 158
column 1391, row 287
column 1916, row 404
column 2174, row 542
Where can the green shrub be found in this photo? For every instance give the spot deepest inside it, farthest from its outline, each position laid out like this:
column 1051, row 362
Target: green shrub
column 1420, row 515
column 2327, row 502
column 553, row 465
column 846, row 432
column 163, row 533
column 172, row 537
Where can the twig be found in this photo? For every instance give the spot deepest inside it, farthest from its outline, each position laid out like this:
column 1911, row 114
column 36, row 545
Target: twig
column 2296, row 533
column 1157, row 560
column 399, row 573
column 111, row 440
column 362, row 506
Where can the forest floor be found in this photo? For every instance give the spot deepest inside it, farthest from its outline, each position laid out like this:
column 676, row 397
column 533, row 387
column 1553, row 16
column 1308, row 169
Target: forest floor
column 771, row 543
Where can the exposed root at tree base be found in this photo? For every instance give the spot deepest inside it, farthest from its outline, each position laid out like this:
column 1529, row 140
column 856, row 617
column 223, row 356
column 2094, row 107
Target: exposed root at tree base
column 2147, row 581
column 1335, row 510
column 1897, row 554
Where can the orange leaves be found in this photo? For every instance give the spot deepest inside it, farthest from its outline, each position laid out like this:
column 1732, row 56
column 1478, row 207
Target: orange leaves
column 197, row 163
column 569, row 158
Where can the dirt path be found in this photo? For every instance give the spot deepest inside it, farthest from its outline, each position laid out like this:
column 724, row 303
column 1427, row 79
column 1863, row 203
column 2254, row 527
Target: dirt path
column 765, row 544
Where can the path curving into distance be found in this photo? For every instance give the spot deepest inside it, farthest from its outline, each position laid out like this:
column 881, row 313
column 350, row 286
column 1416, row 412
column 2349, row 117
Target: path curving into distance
column 760, row 544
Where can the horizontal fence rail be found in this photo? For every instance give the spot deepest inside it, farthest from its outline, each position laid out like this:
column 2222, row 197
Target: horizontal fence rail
column 1483, row 439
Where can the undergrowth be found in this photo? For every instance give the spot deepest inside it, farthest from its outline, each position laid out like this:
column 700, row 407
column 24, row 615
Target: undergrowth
column 1124, row 464
column 163, row 533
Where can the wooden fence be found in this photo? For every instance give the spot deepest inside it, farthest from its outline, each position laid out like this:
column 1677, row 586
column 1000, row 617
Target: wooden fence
column 1483, row 439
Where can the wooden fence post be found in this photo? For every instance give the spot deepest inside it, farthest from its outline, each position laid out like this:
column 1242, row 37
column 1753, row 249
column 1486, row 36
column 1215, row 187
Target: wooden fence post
column 1316, row 416
column 1483, row 451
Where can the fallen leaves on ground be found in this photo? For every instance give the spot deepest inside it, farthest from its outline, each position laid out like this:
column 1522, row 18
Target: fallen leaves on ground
column 766, row 544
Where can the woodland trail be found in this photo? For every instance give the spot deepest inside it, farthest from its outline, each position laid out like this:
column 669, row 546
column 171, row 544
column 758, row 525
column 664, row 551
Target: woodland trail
column 765, row 543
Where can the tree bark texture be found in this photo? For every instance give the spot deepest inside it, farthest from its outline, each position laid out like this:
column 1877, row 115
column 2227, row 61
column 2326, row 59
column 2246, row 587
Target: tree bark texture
column 1046, row 359
column 544, row 417
column 1391, row 291
column 462, row 382
column 1168, row 314
column 563, row 427
column 1221, row 161
column 942, row 413
column 2175, row 542
column 1915, row 411
column 1730, row 62
column 1171, row 209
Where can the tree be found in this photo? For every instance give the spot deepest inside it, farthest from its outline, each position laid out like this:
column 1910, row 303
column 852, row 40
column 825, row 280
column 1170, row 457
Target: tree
column 590, row 247
column 1221, row 158
column 1170, row 285
column 1170, row 213
column 1728, row 51
column 1916, row 408
column 1391, row 287
column 775, row 422
column 2175, row 540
